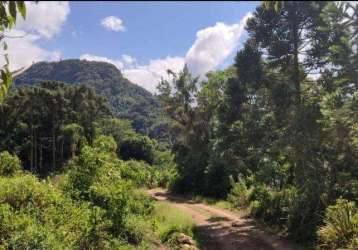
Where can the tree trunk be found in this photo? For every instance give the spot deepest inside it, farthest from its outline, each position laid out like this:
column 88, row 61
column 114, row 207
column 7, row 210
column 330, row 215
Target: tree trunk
column 40, row 164
column 35, row 148
column 62, row 145
column 53, row 146
column 32, row 142
column 296, row 69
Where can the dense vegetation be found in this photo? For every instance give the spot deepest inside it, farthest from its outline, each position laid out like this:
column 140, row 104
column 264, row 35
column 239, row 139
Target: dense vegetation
column 277, row 132
column 128, row 101
column 92, row 166
column 94, row 204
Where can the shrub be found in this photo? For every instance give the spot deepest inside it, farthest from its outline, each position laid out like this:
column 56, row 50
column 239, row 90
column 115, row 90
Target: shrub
column 35, row 215
column 137, row 147
column 340, row 228
column 98, row 177
column 166, row 170
column 105, row 144
column 9, row 164
column 139, row 172
column 238, row 195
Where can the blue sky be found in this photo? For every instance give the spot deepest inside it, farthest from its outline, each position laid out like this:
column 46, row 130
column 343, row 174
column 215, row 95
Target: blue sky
column 142, row 39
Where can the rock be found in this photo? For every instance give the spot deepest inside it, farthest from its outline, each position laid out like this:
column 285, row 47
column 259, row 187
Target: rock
column 188, row 247
column 236, row 224
column 185, row 240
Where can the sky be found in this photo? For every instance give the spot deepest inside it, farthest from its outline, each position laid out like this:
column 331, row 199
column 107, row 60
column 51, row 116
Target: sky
column 142, row 39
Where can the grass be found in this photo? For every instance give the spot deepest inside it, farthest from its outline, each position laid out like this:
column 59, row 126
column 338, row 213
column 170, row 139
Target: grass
column 223, row 204
column 169, row 220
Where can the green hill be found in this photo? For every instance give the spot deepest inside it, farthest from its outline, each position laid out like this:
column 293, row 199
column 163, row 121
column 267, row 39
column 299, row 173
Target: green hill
column 127, row 99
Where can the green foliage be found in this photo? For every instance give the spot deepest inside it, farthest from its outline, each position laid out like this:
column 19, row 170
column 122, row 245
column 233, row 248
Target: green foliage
column 98, row 177
column 105, row 144
column 291, row 137
column 45, row 125
column 340, row 228
column 9, row 164
column 130, row 144
column 8, row 15
column 169, row 220
column 35, row 215
column 238, row 195
column 137, row 147
column 139, row 172
column 166, row 169
column 127, row 100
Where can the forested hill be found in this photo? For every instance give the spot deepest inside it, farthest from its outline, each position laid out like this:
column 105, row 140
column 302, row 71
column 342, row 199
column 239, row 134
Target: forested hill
column 127, row 99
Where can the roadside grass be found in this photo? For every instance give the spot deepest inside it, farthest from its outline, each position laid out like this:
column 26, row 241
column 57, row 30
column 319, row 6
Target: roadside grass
column 169, row 220
column 223, row 204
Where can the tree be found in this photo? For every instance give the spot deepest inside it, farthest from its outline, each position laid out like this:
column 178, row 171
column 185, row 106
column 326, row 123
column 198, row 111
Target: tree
column 8, row 15
column 44, row 124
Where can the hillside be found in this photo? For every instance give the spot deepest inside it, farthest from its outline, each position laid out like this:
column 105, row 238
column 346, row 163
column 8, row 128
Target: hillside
column 127, row 99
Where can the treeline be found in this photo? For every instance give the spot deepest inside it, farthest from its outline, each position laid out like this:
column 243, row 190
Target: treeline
column 46, row 124
column 127, row 100
column 94, row 166
column 277, row 132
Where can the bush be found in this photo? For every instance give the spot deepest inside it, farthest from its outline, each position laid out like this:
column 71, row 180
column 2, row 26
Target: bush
column 105, row 144
column 137, row 147
column 35, row 215
column 341, row 226
column 9, row 165
column 166, row 170
column 98, row 177
column 139, row 172
column 273, row 206
column 238, row 195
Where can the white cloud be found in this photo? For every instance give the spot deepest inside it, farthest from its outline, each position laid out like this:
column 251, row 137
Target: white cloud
column 89, row 57
column 129, row 61
column 44, row 18
column 213, row 45
column 210, row 49
column 24, row 51
column 146, row 76
column 113, row 23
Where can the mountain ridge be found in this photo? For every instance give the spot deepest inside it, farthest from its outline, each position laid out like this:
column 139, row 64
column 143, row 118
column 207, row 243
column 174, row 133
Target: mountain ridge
column 128, row 100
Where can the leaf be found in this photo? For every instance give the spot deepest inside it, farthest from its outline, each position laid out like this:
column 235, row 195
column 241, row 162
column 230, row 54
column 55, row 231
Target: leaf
column 278, row 6
column 12, row 9
column 11, row 22
column 21, row 7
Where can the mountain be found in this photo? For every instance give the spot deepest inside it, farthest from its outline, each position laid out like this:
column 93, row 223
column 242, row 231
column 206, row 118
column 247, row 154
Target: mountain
column 127, row 99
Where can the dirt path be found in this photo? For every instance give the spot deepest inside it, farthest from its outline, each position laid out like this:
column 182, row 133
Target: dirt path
column 216, row 225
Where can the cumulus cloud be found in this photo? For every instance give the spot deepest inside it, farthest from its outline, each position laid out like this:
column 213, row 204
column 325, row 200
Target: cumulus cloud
column 24, row 51
column 213, row 45
column 44, row 18
column 146, row 76
column 89, row 57
column 113, row 23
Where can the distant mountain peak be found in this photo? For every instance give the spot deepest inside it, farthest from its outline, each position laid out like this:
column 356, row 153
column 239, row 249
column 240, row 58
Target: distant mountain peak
column 127, row 99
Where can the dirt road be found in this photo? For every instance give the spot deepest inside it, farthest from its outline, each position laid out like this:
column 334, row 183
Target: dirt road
column 223, row 229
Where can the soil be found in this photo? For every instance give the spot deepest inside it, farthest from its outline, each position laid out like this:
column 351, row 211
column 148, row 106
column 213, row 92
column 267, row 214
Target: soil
column 221, row 229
